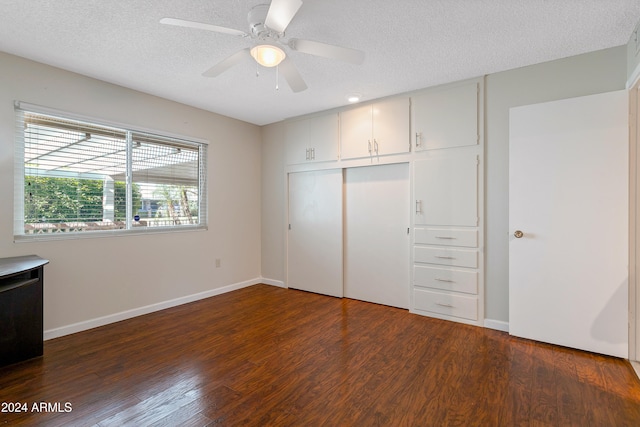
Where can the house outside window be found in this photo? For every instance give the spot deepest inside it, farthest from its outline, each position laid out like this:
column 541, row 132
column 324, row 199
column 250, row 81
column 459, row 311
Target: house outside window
column 82, row 177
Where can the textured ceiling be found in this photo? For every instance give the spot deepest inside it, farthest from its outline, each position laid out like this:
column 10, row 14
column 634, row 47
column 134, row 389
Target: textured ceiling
column 409, row 44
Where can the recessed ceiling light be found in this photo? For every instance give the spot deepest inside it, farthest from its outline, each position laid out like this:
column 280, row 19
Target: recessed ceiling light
column 353, row 97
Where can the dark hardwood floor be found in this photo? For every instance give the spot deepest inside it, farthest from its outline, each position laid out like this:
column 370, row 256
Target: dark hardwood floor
column 267, row 356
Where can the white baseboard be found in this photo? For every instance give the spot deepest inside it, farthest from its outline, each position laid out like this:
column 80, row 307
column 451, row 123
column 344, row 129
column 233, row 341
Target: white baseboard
column 636, row 367
column 128, row 314
column 498, row 325
column 278, row 283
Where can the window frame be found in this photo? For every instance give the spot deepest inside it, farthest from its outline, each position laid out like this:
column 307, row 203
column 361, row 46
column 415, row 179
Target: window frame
column 19, row 234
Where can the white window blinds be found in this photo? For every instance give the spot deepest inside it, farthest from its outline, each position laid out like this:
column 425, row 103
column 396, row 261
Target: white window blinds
column 75, row 176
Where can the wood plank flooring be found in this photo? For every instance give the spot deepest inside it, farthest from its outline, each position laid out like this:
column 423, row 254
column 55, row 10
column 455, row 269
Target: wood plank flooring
column 266, row 356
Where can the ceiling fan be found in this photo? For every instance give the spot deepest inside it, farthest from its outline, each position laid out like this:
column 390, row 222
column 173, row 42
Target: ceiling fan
column 267, row 23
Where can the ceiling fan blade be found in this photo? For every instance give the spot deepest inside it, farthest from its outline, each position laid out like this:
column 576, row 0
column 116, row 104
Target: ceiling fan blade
column 202, row 26
column 227, row 63
column 327, row 51
column 291, row 75
column 280, row 14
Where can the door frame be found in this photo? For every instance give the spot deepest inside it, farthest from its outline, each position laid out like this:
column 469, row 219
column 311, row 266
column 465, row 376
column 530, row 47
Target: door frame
column 634, row 223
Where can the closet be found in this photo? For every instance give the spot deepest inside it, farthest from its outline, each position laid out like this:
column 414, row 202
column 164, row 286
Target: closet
column 376, row 234
column 385, row 202
column 314, row 245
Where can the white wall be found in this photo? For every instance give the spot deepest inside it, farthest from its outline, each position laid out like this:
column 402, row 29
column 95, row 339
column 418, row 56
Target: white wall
column 586, row 74
column 95, row 277
column 273, row 202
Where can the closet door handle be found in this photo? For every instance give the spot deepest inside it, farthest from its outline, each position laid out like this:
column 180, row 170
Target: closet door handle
column 418, row 206
column 418, row 139
column 375, row 145
column 369, row 142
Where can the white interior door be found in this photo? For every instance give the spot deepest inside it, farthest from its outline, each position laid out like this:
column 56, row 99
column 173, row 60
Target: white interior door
column 568, row 194
column 376, row 238
column 314, row 249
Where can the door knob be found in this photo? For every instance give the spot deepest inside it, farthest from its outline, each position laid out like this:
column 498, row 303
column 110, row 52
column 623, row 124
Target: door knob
column 518, row 234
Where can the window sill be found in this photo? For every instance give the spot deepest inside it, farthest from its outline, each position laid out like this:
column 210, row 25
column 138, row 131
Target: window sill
column 71, row 235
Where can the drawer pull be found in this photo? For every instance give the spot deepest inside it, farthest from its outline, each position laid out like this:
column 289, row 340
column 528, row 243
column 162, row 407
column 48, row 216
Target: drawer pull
column 444, row 257
column 444, row 305
column 445, row 238
column 444, row 280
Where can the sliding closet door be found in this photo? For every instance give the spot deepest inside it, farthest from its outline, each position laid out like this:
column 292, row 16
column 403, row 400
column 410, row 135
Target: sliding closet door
column 376, row 234
column 314, row 250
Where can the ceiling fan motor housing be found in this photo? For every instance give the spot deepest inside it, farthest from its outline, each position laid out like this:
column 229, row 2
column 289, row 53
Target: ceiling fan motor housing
column 256, row 17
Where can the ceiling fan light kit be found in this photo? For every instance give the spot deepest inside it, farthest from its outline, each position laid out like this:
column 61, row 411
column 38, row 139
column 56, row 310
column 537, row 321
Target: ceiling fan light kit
column 267, row 23
column 267, row 55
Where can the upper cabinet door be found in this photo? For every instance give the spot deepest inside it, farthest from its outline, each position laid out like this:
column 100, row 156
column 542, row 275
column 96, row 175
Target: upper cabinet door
column 391, row 126
column 446, row 118
column 324, row 134
column 355, row 133
column 295, row 136
column 375, row 130
column 312, row 139
column 446, row 190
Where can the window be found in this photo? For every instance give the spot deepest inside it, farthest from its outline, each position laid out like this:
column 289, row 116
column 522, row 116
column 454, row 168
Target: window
column 77, row 177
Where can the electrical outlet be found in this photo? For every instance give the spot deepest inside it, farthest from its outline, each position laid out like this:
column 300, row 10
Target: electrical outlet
column 217, row 262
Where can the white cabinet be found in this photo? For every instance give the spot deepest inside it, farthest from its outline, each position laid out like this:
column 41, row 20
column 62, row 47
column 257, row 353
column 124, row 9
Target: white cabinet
column 447, row 262
column 375, row 130
column 312, row 139
column 446, row 190
column 446, row 117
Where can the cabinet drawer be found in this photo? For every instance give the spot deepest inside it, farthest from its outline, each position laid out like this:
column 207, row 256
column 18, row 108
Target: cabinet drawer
column 447, row 237
column 454, row 257
column 449, row 304
column 447, row 279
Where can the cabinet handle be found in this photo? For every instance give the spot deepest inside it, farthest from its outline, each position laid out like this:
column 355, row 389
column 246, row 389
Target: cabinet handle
column 375, row 145
column 313, row 154
column 369, row 142
column 445, row 257
column 445, row 238
column 307, row 154
column 418, row 139
column 437, row 279
column 418, row 206
column 444, row 305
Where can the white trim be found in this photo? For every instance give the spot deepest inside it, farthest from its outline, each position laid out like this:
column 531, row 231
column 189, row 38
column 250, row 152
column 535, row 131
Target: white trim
column 128, row 314
column 278, row 283
column 498, row 325
column 136, row 231
column 636, row 367
column 633, row 78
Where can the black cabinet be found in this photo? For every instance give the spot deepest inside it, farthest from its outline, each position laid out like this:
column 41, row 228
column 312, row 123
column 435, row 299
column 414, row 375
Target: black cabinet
column 21, row 328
